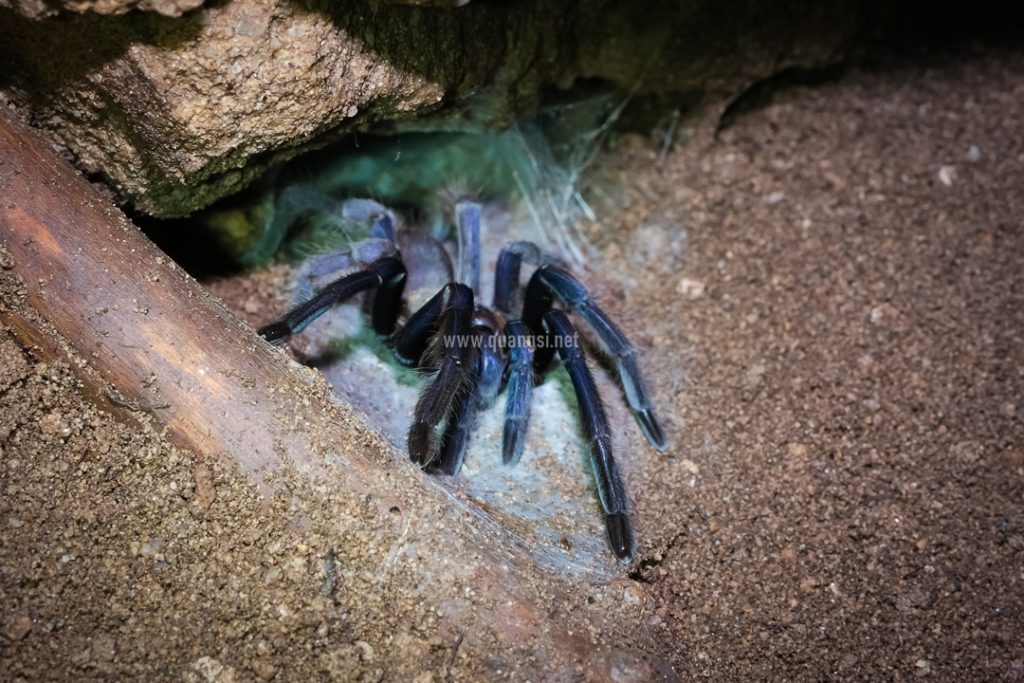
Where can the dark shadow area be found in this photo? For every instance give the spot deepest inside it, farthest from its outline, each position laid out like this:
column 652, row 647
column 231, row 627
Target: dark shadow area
column 901, row 36
column 761, row 93
column 37, row 55
column 190, row 244
column 914, row 25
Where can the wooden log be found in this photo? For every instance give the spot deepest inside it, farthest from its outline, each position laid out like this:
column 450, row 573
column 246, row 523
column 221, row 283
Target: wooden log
column 157, row 342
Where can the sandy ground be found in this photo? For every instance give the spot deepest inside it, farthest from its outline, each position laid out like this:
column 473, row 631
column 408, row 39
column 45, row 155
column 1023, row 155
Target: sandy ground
column 830, row 300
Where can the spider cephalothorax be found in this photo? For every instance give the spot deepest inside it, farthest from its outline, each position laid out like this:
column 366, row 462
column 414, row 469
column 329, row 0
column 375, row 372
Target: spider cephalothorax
column 470, row 350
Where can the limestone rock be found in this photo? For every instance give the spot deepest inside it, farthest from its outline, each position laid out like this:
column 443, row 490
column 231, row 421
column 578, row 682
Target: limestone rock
column 177, row 112
column 41, row 8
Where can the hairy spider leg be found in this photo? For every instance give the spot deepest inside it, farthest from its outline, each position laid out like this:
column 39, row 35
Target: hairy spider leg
column 487, row 363
column 506, row 273
column 519, row 344
column 362, row 210
column 387, row 302
column 575, row 297
column 361, row 254
column 536, row 303
column 506, row 280
column 483, row 356
column 411, row 342
column 383, row 227
column 485, row 323
column 298, row 201
column 319, row 268
column 486, row 329
column 519, row 378
column 460, row 426
column 610, row 488
column 467, row 218
column 448, row 325
column 386, row 274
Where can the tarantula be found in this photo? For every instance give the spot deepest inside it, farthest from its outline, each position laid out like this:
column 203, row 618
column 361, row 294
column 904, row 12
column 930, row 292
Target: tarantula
column 470, row 350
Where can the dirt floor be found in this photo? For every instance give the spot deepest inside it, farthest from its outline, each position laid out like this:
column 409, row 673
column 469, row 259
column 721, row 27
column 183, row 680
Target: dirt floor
column 830, row 300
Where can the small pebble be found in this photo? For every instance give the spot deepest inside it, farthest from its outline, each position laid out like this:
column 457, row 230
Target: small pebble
column 16, row 626
column 947, row 174
column 151, row 547
column 690, row 288
column 205, row 489
column 631, row 596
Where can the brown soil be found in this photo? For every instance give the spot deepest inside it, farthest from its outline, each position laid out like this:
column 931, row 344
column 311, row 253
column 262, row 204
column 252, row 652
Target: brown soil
column 833, row 297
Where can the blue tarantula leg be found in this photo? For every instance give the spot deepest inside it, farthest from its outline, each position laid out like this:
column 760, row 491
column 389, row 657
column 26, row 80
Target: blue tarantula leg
column 538, row 302
column 575, row 296
column 486, row 361
column 610, row 488
column 519, row 343
column 320, row 270
column 492, row 363
column 467, row 216
column 387, row 271
column 412, row 341
column 381, row 242
column 519, row 372
column 361, row 210
column 449, row 355
column 387, row 303
column 298, row 201
column 383, row 227
column 506, row 272
column 460, row 426
column 456, row 438
column 382, row 219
